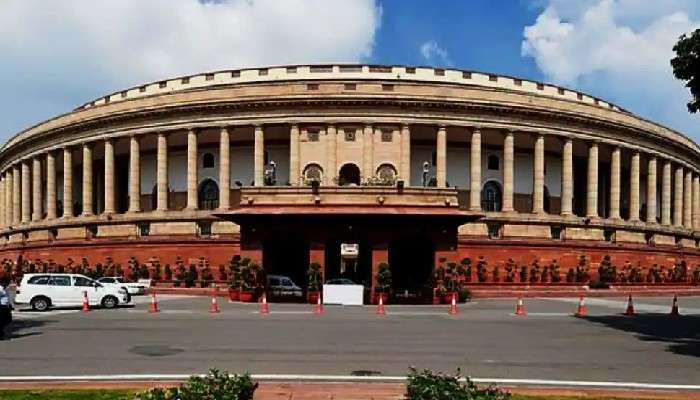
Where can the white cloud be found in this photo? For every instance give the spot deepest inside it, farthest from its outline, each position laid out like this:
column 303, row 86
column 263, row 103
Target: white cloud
column 57, row 54
column 617, row 49
column 433, row 53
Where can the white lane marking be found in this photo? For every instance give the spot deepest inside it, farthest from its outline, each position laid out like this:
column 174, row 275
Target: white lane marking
column 543, row 314
column 622, row 305
column 347, row 378
column 35, row 315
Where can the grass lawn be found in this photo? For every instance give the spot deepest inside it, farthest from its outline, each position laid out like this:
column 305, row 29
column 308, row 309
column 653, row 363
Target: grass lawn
column 65, row 394
column 127, row 395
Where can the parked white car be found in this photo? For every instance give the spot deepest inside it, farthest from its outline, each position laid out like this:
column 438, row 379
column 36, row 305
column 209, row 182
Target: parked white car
column 280, row 285
column 43, row 291
column 118, row 281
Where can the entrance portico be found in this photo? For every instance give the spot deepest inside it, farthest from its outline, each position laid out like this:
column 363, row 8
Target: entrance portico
column 287, row 238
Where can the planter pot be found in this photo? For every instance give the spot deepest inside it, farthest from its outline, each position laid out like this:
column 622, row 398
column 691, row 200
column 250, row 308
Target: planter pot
column 376, row 296
column 246, row 296
column 312, row 297
column 234, row 294
column 447, row 297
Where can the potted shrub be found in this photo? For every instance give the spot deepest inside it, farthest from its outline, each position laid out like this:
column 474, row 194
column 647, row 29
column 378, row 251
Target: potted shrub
column 383, row 283
column 190, row 276
column 168, row 273
column 481, row 270
column 314, row 279
column 451, row 284
column 234, row 282
column 466, row 265
column 249, row 280
column 510, row 270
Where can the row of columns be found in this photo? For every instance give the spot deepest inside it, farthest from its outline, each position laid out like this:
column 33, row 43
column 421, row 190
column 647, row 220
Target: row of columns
column 15, row 182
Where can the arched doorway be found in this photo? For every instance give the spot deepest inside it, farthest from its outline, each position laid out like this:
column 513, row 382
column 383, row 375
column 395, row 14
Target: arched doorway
column 491, row 197
column 208, row 195
column 349, row 175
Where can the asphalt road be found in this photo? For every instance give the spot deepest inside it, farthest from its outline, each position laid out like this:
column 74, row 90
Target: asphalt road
column 485, row 340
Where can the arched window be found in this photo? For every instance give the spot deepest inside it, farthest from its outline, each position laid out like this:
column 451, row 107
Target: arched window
column 313, row 172
column 349, row 175
column 493, row 162
column 491, row 196
column 208, row 160
column 386, row 173
column 208, row 195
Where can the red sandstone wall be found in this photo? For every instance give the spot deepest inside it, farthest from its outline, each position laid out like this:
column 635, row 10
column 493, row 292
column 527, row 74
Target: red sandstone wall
column 496, row 253
column 217, row 252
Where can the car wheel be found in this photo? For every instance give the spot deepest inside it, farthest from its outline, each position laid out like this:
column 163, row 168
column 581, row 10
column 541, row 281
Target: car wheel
column 109, row 302
column 40, row 303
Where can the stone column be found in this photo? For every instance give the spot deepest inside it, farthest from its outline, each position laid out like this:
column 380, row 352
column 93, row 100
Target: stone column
column 331, row 157
column 162, row 173
column 192, row 174
column 508, row 172
column 678, row 198
column 475, row 173
column 67, row 182
column 651, row 190
column 368, row 152
column 87, row 180
column 592, row 193
column 26, row 192
column 634, row 187
column 688, row 200
column 2, row 201
column 294, row 155
column 134, row 174
column 224, row 169
column 37, row 200
column 441, row 157
column 666, row 194
column 50, row 185
column 615, row 183
column 696, row 202
column 538, row 176
column 259, row 156
column 9, row 196
column 109, row 177
column 567, row 178
column 406, row 154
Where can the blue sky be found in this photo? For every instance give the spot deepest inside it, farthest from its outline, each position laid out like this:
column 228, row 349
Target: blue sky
column 77, row 50
column 480, row 35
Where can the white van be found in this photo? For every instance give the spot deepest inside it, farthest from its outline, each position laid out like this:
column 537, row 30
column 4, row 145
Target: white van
column 280, row 285
column 43, row 291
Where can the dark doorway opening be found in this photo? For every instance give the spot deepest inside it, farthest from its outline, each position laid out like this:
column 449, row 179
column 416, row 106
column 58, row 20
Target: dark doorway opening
column 358, row 270
column 349, row 175
column 286, row 255
column 412, row 260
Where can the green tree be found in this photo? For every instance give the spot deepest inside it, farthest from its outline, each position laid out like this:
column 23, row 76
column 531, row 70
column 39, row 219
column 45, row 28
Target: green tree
column 686, row 66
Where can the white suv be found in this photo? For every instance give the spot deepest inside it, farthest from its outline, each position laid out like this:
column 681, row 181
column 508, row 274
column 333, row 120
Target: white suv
column 43, row 291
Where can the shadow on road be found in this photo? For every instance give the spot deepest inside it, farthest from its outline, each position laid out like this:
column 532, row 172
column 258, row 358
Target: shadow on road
column 21, row 328
column 682, row 334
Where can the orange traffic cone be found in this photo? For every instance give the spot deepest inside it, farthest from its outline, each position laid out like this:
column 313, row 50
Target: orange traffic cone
column 214, row 307
column 674, row 307
column 453, row 306
column 86, row 303
column 630, row 307
column 380, row 306
column 264, row 308
column 581, row 310
column 318, row 310
column 153, row 308
column 520, row 308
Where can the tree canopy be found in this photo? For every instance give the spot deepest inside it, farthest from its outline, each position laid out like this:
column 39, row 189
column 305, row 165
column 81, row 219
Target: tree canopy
column 686, row 66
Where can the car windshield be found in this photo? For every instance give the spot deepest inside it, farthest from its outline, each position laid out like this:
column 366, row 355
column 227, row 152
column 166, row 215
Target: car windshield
column 120, row 280
column 82, row 281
